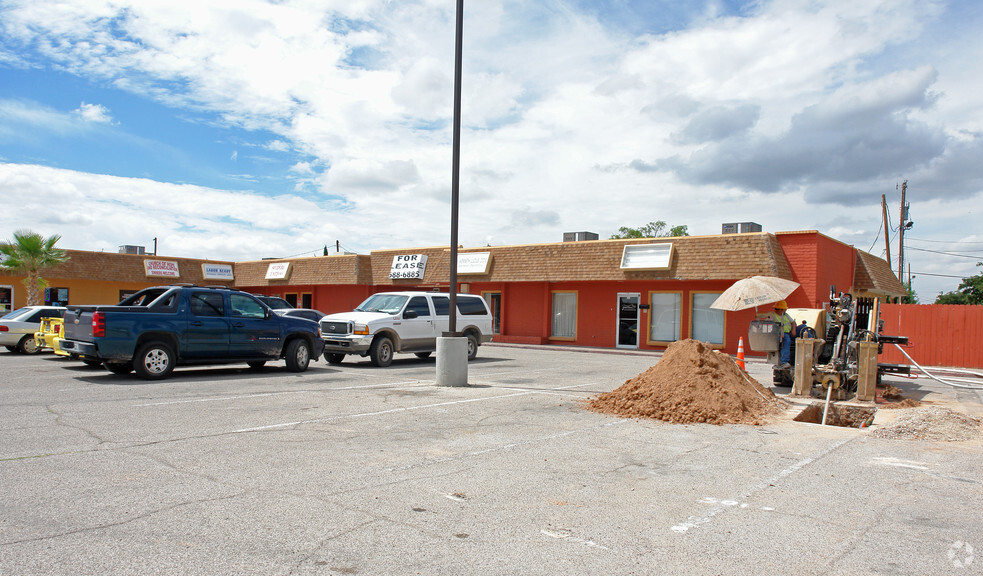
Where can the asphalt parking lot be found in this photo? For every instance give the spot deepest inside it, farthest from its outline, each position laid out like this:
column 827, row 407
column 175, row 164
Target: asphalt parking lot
column 353, row 469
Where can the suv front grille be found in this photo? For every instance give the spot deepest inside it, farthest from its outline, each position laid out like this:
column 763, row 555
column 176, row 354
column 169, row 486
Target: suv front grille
column 335, row 328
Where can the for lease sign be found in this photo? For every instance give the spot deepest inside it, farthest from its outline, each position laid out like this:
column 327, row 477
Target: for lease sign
column 161, row 268
column 408, row 266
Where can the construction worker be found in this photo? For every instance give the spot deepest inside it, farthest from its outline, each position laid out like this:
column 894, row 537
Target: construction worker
column 785, row 321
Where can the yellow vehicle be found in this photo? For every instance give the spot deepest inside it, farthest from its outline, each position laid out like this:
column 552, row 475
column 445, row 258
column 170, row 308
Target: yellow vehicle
column 50, row 335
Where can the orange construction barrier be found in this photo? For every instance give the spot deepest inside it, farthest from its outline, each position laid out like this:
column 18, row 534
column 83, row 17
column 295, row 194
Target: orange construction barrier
column 740, row 354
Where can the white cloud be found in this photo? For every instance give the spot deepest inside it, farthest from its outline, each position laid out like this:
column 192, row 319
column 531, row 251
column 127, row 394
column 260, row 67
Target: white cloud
column 94, row 113
column 569, row 125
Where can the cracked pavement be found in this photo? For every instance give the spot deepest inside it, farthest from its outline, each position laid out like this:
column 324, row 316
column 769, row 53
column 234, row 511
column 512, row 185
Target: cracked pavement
column 352, row 469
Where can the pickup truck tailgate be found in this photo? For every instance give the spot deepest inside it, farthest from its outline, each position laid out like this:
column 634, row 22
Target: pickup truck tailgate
column 78, row 323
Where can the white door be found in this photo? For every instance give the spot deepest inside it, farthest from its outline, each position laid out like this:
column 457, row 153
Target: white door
column 628, row 320
column 418, row 332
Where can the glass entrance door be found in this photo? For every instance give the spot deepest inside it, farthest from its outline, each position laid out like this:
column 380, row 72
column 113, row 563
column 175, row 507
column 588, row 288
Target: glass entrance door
column 628, row 320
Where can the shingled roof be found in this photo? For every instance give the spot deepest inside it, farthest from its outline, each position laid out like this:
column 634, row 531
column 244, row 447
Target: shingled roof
column 873, row 275
column 348, row 269
column 718, row 257
column 85, row 265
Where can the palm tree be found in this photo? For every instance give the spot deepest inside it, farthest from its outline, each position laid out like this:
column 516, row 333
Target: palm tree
column 29, row 254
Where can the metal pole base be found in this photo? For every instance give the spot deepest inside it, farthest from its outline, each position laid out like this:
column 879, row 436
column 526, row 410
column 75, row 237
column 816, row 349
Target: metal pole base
column 452, row 361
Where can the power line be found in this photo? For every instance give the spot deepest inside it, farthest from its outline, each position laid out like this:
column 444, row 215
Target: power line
column 878, row 237
column 947, row 241
column 947, row 253
column 939, row 275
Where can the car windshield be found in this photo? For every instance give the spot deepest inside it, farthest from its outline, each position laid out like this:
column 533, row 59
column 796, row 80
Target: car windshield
column 17, row 314
column 386, row 303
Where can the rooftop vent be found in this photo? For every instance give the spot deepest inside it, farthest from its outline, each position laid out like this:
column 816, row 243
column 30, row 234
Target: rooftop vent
column 579, row 236
column 740, row 228
column 127, row 249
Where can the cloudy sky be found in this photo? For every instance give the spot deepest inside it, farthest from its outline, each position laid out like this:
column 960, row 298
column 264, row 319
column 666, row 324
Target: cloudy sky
column 242, row 129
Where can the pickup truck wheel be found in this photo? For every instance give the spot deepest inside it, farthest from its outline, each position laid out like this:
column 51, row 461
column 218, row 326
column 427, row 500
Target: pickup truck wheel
column 258, row 365
column 334, row 358
column 121, row 369
column 381, row 351
column 298, row 355
column 28, row 345
column 154, row 360
column 472, row 346
column 11, row 348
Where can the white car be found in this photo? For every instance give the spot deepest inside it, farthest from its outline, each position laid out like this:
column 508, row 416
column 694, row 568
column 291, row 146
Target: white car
column 390, row 322
column 17, row 328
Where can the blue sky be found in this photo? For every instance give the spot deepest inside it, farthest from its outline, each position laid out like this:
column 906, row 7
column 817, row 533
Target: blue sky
column 255, row 129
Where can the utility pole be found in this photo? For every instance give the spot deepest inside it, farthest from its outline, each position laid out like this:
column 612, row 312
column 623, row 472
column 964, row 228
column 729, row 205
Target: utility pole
column 887, row 237
column 901, row 229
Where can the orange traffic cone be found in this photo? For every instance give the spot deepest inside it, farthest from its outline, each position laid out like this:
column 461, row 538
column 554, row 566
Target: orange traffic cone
column 740, row 354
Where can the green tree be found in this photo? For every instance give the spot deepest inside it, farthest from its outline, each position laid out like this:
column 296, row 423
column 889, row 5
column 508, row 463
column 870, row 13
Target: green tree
column 910, row 297
column 970, row 291
column 29, row 254
column 651, row 230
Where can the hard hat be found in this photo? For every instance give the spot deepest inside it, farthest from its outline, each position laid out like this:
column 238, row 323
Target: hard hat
column 781, row 305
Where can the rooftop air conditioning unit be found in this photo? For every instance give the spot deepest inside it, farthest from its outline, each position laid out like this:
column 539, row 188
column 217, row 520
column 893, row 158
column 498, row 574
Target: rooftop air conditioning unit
column 127, row 249
column 579, row 236
column 740, row 228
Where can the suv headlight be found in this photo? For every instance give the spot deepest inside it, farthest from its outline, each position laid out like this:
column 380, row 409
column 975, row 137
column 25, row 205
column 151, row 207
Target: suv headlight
column 362, row 329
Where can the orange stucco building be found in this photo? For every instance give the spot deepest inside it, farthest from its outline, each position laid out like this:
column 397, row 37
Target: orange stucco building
column 639, row 293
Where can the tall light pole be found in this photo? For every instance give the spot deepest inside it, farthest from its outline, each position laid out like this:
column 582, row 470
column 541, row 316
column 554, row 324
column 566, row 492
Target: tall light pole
column 456, row 163
column 452, row 348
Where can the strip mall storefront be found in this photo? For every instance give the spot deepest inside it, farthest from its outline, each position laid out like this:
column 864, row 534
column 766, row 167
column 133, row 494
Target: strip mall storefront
column 642, row 293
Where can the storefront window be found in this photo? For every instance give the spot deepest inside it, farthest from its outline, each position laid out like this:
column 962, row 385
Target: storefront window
column 564, row 324
column 665, row 313
column 708, row 323
column 56, row 296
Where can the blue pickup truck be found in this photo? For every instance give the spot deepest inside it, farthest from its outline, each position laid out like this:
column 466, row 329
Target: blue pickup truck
column 159, row 328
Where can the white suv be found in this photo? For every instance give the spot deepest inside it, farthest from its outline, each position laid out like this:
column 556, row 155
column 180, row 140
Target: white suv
column 390, row 322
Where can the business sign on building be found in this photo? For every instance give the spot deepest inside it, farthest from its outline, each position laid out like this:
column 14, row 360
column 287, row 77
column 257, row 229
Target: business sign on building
column 217, row 271
column 473, row 262
column 278, row 271
column 408, row 266
column 161, row 268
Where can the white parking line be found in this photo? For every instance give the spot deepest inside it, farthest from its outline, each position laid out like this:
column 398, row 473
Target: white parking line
column 378, row 413
column 731, row 503
column 259, row 395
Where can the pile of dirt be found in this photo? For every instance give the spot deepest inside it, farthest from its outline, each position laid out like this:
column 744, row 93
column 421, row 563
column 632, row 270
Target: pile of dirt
column 892, row 399
column 931, row 423
column 891, row 393
column 692, row 383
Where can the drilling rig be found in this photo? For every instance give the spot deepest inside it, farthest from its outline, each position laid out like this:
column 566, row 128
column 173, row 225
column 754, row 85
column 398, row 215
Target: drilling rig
column 844, row 360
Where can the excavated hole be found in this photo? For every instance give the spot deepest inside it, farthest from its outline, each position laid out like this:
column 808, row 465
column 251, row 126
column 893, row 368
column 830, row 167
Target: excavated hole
column 839, row 415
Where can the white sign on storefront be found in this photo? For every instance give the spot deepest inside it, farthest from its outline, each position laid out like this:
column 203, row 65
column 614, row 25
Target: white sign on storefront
column 410, row 266
column 217, row 271
column 161, row 268
column 278, row 271
column 473, row 262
